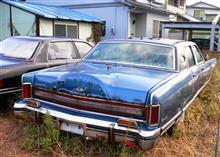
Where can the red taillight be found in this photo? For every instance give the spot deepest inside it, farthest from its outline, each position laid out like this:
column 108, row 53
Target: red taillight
column 26, row 90
column 1, row 83
column 154, row 114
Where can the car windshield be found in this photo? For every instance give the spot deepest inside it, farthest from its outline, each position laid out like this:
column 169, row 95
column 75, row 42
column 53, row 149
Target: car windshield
column 152, row 55
column 18, row 48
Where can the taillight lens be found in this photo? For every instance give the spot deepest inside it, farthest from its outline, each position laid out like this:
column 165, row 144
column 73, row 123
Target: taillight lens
column 26, row 90
column 1, row 83
column 154, row 115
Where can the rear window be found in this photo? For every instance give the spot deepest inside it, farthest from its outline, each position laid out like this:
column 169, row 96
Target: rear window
column 152, row 55
column 18, row 48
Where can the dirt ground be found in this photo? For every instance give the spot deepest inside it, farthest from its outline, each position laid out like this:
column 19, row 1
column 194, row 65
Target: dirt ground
column 11, row 138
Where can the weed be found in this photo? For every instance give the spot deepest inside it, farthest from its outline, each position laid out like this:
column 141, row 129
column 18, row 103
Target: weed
column 41, row 136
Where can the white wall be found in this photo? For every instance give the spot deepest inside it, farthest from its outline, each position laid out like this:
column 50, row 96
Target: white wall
column 175, row 9
column 85, row 30
column 150, row 18
column 46, row 27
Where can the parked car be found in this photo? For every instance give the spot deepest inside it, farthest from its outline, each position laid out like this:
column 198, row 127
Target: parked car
column 19, row 55
column 123, row 90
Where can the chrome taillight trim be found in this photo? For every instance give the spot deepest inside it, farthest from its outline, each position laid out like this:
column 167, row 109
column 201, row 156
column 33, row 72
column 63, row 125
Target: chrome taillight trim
column 150, row 113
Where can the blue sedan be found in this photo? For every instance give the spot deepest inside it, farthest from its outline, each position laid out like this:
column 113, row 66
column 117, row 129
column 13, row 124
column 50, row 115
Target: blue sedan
column 128, row 91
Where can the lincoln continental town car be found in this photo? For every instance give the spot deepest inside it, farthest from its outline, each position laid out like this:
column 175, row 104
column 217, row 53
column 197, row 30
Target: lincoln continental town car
column 128, row 91
column 24, row 54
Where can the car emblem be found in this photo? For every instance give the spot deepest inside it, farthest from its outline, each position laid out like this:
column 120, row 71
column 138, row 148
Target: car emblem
column 80, row 89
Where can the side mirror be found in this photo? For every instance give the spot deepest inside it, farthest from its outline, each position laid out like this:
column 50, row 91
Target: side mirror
column 206, row 57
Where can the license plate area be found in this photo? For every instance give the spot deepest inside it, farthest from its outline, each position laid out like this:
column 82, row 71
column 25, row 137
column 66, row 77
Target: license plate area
column 72, row 127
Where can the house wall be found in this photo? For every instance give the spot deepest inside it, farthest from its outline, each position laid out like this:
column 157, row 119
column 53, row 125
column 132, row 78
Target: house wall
column 85, row 30
column 46, row 27
column 154, row 16
column 116, row 18
column 141, row 25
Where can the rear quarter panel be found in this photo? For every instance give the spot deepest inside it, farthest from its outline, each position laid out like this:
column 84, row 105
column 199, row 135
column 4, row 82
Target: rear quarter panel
column 172, row 95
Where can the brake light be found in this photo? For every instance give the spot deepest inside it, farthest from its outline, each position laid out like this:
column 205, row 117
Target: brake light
column 26, row 90
column 154, row 115
column 1, row 83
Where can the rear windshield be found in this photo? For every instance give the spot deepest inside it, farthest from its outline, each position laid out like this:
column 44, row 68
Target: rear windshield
column 134, row 53
column 18, row 48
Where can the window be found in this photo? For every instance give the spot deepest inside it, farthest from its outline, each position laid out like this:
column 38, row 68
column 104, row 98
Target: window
column 197, row 54
column 189, row 59
column 210, row 18
column 177, row 3
column 18, row 48
column 156, row 28
column 83, row 48
column 23, row 23
column 4, row 21
column 62, row 30
column 61, row 50
column 182, row 3
column 134, row 53
column 199, row 14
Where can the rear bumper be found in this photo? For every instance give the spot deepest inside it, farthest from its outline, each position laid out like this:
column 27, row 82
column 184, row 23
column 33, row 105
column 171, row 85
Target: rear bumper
column 91, row 127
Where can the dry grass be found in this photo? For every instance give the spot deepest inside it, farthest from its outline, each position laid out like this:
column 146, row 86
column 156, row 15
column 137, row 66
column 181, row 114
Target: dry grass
column 195, row 137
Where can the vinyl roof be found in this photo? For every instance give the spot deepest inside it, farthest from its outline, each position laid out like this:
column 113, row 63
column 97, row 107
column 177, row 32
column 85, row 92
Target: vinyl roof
column 52, row 12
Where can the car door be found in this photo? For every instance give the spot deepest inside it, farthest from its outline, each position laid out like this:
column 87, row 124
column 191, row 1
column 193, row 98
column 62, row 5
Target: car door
column 61, row 52
column 201, row 65
column 194, row 67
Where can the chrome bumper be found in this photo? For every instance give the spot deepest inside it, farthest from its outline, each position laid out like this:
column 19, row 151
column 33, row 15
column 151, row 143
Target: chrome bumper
column 10, row 90
column 94, row 128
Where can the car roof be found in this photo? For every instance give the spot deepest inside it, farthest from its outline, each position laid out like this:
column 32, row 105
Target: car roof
column 163, row 41
column 45, row 38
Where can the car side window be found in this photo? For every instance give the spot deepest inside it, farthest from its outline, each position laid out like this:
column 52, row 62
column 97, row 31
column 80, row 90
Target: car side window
column 83, row 48
column 61, row 50
column 188, row 57
column 197, row 54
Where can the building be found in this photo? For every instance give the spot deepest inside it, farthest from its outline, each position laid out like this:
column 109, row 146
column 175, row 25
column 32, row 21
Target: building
column 203, row 11
column 178, row 8
column 206, row 13
column 22, row 18
column 124, row 18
